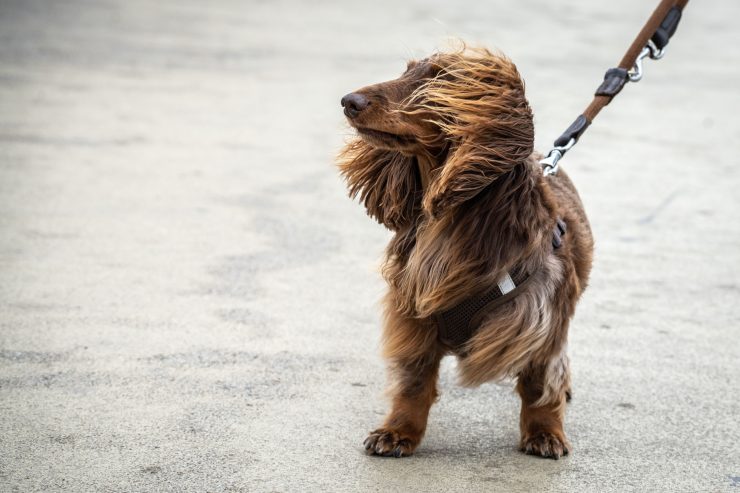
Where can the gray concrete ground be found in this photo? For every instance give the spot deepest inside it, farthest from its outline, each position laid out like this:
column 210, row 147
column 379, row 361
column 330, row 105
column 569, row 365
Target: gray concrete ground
column 188, row 300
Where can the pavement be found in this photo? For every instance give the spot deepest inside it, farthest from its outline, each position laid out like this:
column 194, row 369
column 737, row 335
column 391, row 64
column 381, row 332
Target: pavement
column 189, row 301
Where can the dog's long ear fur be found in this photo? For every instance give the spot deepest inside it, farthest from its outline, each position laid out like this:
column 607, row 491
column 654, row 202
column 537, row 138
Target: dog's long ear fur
column 479, row 97
column 387, row 182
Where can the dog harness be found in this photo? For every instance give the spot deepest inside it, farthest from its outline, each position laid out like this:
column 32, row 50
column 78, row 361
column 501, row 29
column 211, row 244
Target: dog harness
column 458, row 324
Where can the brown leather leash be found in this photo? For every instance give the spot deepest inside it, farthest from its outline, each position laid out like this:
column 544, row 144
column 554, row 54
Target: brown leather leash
column 650, row 42
column 456, row 325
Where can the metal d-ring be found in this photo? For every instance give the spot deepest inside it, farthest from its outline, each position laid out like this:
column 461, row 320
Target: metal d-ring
column 655, row 52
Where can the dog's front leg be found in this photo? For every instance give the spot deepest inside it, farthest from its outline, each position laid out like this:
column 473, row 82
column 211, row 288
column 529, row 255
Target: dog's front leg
column 541, row 423
column 413, row 391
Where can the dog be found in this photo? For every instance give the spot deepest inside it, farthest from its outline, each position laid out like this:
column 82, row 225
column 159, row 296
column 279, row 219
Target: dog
column 443, row 156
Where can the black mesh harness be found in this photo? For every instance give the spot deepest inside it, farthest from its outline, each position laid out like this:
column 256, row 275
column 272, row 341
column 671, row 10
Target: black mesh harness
column 457, row 325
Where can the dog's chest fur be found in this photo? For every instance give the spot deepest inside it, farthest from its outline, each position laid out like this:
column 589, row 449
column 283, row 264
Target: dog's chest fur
column 441, row 261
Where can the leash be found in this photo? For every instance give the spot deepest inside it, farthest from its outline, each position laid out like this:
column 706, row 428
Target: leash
column 650, row 42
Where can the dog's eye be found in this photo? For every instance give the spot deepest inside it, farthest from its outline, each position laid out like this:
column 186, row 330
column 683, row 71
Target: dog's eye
column 423, row 69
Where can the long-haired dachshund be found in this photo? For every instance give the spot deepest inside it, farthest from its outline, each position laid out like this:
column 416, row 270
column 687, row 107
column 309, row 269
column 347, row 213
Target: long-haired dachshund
column 489, row 256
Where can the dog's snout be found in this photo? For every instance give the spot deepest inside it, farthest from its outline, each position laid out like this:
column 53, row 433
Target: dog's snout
column 353, row 103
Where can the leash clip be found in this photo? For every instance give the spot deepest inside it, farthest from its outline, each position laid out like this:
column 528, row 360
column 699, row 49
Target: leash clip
column 550, row 162
column 650, row 50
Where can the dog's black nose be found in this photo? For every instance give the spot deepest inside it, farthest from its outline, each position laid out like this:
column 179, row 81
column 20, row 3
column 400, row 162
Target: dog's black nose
column 353, row 103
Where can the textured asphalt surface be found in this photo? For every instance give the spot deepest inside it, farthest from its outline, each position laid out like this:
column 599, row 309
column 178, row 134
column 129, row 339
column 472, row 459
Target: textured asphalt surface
column 189, row 301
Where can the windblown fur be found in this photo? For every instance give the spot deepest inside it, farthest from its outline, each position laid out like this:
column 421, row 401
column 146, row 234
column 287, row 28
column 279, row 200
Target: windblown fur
column 444, row 158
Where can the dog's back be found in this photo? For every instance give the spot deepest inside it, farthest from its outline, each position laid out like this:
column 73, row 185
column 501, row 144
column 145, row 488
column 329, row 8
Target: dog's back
column 579, row 228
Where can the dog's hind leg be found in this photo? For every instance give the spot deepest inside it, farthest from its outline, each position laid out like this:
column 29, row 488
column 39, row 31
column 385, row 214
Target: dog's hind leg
column 413, row 391
column 544, row 390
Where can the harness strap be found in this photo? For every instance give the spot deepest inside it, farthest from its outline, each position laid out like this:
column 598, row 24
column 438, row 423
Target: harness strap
column 650, row 42
column 457, row 325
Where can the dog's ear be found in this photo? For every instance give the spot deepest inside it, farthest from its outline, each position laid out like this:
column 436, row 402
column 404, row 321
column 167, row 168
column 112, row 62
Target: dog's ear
column 485, row 114
column 387, row 182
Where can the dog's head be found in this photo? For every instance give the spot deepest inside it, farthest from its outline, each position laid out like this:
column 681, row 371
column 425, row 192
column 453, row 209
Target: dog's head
column 463, row 112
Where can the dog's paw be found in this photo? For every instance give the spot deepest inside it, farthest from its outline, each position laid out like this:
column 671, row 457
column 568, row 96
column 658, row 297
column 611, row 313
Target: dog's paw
column 389, row 443
column 545, row 444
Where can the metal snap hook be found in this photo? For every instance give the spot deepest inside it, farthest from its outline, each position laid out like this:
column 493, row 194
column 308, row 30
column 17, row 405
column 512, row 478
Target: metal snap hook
column 635, row 73
column 550, row 162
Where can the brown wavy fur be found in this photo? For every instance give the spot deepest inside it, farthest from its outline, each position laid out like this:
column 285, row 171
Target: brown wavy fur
column 444, row 158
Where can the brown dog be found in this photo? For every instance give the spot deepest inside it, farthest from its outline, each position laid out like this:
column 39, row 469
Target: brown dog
column 444, row 158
